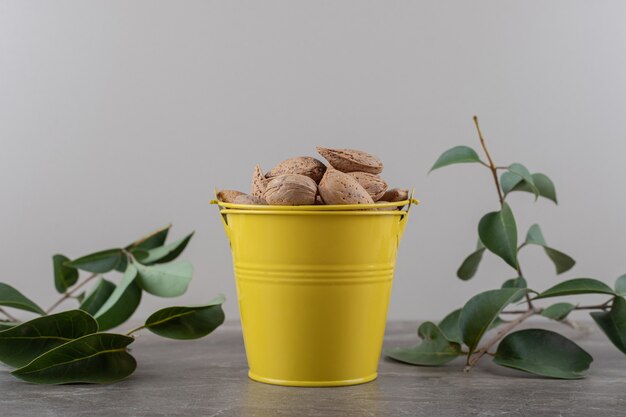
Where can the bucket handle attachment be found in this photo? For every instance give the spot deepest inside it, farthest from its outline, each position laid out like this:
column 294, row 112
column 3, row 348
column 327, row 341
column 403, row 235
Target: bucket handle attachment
column 222, row 216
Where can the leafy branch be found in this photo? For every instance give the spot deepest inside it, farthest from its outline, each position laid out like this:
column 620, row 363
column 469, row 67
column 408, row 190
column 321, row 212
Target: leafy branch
column 72, row 346
column 537, row 351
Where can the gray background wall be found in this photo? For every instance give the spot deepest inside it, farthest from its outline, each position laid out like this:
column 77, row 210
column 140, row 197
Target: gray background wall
column 118, row 117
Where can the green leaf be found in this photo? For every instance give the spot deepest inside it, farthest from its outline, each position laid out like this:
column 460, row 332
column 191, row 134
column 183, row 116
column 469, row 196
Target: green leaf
column 508, row 181
column 64, row 276
column 498, row 232
column 468, row 268
column 10, row 297
column 482, row 310
column 543, row 184
column 187, row 322
column 576, row 286
column 542, row 352
column 561, row 261
column 98, row 358
column 534, row 236
column 97, row 296
column 620, row 285
column 162, row 254
column 456, row 155
column 511, row 182
column 165, row 280
column 519, row 282
column 450, row 326
column 613, row 323
column 122, row 303
column 23, row 343
column 521, row 171
column 98, row 262
column 151, row 241
column 434, row 349
column 558, row 311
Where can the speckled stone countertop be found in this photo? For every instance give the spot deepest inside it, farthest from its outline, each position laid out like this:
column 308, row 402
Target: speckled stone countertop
column 208, row 378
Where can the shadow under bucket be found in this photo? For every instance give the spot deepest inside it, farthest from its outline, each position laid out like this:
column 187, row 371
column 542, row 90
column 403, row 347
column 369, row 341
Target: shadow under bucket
column 313, row 286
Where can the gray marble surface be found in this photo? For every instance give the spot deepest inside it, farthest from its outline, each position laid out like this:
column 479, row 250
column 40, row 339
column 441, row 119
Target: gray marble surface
column 208, row 378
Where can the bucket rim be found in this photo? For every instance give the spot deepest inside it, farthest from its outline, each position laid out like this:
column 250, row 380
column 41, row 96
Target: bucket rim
column 359, row 208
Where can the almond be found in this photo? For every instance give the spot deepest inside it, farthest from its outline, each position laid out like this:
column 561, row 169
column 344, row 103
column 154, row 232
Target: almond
column 249, row 199
column 259, row 182
column 395, row 194
column 351, row 160
column 337, row 187
column 302, row 165
column 291, row 190
column 228, row 196
column 373, row 184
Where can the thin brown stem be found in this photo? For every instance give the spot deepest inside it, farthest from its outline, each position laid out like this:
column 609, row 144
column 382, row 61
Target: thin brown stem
column 489, row 344
column 70, row 293
column 491, row 165
column 9, row 316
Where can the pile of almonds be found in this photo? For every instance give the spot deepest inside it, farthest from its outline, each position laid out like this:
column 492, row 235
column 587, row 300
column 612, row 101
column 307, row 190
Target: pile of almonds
column 351, row 177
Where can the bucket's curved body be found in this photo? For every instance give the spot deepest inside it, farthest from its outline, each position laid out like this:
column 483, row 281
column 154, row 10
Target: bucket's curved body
column 313, row 287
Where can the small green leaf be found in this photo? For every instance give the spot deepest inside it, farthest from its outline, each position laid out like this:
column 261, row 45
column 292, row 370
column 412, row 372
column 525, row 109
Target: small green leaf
column 162, row 254
column 97, row 296
column 620, row 285
column 434, row 349
column 508, row 181
column 561, row 261
column 122, row 303
column 534, row 236
column 613, row 323
column 544, row 185
column 97, row 358
column 456, row 155
column 521, row 171
column 64, row 276
column 519, row 282
column 542, row 352
column 151, row 241
column 511, row 182
column 165, row 280
column 482, row 310
column 23, row 343
column 468, row 268
column 498, row 232
column 99, row 262
column 187, row 322
column 10, row 297
column 450, row 326
column 576, row 286
column 558, row 311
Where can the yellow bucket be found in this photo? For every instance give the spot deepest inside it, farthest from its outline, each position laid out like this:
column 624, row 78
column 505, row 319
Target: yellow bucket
column 313, row 284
